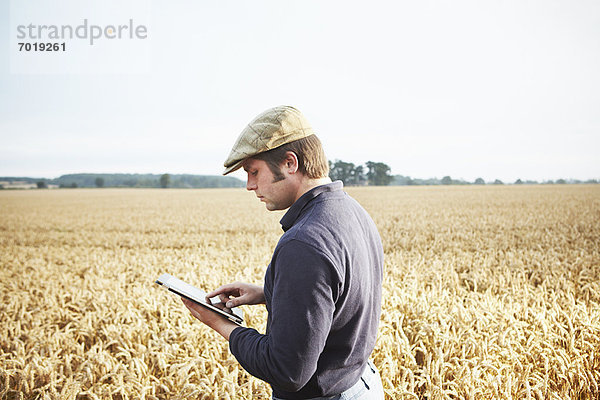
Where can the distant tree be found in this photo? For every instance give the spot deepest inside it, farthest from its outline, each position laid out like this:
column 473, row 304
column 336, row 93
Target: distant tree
column 498, row 182
column 41, row 185
column 358, row 176
column 378, row 173
column 561, row 181
column 402, row 180
column 446, row 180
column 518, row 182
column 165, row 179
column 99, row 182
column 341, row 171
column 479, row 181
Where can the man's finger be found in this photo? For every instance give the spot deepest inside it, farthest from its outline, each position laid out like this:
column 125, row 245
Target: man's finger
column 223, row 297
column 221, row 289
column 229, row 289
column 237, row 301
column 188, row 304
column 191, row 306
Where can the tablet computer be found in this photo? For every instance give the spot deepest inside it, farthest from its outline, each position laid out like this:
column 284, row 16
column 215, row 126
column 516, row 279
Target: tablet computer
column 199, row 296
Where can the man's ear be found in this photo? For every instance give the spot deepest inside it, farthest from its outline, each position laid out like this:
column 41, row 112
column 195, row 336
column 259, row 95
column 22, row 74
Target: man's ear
column 291, row 162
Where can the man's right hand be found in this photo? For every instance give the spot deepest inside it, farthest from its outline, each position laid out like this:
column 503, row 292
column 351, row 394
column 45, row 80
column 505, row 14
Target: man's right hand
column 239, row 293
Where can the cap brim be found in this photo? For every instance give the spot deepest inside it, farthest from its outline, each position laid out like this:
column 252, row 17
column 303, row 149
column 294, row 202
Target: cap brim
column 233, row 167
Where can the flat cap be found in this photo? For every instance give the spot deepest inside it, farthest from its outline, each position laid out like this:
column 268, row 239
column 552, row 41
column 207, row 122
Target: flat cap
column 269, row 130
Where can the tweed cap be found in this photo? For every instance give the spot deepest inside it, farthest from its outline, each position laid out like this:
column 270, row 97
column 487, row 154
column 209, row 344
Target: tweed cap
column 270, row 129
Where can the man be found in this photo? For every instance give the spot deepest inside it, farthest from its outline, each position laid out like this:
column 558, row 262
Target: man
column 322, row 288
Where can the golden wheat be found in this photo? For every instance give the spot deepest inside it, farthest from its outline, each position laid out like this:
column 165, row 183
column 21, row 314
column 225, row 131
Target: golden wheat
column 489, row 292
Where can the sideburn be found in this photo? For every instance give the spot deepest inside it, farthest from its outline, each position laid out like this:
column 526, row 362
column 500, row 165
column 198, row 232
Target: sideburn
column 274, row 159
column 275, row 167
column 277, row 176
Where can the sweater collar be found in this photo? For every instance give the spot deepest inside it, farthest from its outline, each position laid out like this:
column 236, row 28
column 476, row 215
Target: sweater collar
column 295, row 210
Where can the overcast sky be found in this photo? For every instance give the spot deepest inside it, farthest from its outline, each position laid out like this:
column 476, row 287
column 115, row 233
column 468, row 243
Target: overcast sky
column 491, row 89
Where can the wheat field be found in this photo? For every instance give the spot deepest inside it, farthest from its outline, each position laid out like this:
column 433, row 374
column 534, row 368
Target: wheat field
column 489, row 291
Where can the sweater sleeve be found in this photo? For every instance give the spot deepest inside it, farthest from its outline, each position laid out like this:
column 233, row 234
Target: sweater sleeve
column 305, row 284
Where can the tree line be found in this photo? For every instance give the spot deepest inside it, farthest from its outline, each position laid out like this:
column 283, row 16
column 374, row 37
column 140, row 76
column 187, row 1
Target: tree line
column 379, row 174
column 371, row 173
column 136, row 181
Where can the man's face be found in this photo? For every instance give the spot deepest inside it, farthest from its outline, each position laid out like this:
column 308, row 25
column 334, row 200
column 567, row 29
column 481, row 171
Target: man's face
column 276, row 195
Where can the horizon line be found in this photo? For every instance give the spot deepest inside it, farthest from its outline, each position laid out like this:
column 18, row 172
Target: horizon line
column 524, row 180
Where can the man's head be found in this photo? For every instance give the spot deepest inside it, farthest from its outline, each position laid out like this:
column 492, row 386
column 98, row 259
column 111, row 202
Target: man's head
column 282, row 156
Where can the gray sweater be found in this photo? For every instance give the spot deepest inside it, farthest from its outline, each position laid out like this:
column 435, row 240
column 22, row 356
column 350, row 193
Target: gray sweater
column 323, row 297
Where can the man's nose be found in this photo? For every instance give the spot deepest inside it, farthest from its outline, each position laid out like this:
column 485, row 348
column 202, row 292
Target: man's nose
column 250, row 185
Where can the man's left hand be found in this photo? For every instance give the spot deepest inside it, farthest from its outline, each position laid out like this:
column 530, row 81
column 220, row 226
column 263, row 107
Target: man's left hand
column 220, row 324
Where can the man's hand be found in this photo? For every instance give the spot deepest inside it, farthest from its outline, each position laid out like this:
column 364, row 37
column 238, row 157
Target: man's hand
column 220, row 324
column 238, row 293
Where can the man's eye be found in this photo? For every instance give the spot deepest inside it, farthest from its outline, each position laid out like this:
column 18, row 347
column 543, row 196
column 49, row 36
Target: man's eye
column 254, row 173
